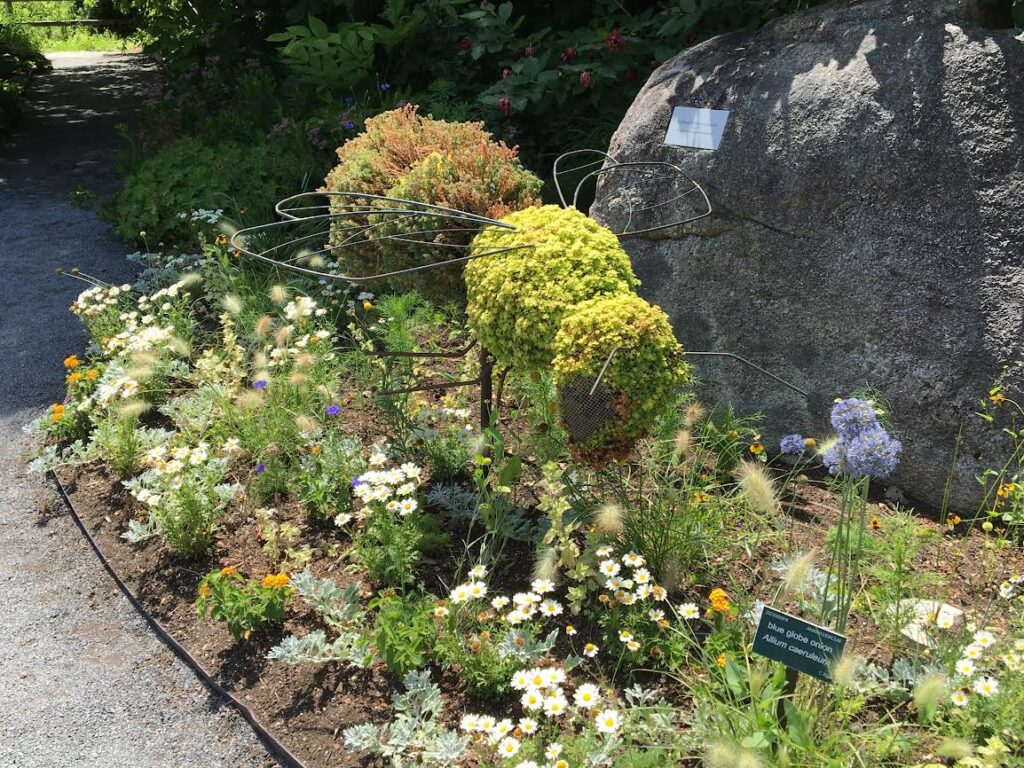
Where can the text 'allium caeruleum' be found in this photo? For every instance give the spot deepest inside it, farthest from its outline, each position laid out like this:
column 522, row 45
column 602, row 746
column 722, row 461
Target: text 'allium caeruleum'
column 864, row 448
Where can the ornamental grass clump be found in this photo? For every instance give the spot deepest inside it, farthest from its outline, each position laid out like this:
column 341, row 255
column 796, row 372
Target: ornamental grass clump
column 406, row 155
column 640, row 381
column 517, row 299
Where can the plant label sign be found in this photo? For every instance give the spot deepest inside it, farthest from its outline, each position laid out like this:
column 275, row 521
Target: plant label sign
column 798, row 644
column 696, row 127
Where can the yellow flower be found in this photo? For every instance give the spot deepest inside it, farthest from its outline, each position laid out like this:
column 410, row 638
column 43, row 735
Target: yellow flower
column 756, row 448
column 720, row 661
column 699, row 497
column 367, row 305
column 1006, row 489
column 92, row 374
column 74, row 377
column 273, row 580
column 810, row 442
column 953, row 520
column 719, row 600
column 875, row 524
column 58, row 411
column 997, row 398
column 222, row 239
column 315, row 450
column 205, row 591
column 71, row 361
column 229, row 570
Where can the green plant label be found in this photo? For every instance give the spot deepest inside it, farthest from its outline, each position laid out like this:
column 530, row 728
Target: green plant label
column 798, row 644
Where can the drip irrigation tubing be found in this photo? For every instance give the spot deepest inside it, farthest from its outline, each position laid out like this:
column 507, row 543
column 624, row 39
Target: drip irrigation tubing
column 275, row 747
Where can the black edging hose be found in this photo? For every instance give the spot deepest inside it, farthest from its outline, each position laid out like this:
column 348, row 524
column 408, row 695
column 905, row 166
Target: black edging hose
column 274, row 746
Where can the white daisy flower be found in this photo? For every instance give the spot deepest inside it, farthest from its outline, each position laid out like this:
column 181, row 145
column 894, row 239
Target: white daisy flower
column 587, row 696
column 608, row 721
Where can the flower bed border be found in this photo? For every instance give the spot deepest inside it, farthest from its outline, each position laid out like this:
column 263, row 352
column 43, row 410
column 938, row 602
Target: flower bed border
column 275, row 747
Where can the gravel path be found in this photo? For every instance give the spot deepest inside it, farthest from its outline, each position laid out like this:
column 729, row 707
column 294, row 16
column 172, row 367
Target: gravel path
column 82, row 680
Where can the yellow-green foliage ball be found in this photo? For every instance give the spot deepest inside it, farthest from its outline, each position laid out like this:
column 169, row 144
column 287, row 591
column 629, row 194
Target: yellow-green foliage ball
column 517, row 299
column 640, row 381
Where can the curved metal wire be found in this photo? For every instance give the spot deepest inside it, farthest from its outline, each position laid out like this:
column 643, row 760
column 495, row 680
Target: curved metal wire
column 361, row 217
column 606, row 164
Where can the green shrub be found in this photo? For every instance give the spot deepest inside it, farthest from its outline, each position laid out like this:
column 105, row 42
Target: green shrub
column 403, row 632
column 456, row 165
column 517, row 299
column 641, row 378
column 245, row 607
column 19, row 58
column 190, row 175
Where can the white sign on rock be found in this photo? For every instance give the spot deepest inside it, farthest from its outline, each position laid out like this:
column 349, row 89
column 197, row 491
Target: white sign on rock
column 696, row 127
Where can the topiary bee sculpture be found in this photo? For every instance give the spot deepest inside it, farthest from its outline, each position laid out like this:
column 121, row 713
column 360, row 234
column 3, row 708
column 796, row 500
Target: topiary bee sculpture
column 545, row 286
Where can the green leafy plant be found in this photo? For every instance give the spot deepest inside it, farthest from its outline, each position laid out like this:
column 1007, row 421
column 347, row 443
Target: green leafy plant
column 553, row 259
column 403, row 631
column 645, row 369
column 246, row 607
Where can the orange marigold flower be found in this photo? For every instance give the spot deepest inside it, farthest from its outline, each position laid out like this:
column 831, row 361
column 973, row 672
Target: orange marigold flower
column 273, row 580
column 205, row 591
column 58, row 411
column 74, row 377
column 71, row 361
column 315, row 450
column 229, row 570
column 92, row 374
column 719, row 600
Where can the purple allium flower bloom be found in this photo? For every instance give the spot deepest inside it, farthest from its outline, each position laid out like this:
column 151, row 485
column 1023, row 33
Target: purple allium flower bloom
column 872, row 453
column 259, row 384
column 852, row 416
column 333, row 410
column 349, row 125
column 349, row 99
column 385, row 86
column 792, row 444
column 261, row 468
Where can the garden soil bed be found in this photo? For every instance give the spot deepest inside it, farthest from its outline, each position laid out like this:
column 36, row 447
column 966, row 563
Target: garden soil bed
column 306, row 707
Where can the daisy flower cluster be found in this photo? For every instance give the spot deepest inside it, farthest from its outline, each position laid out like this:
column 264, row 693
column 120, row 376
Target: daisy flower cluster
column 167, row 467
column 1012, row 588
column 542, row 695
column 627, row 578
column 977, row 658
column 393, row 488
column 289, row 346
column 444, row 417
column 97, row 300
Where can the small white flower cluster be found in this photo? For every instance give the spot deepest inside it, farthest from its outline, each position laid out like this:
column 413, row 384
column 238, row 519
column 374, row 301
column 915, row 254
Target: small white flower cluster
column 968, row 665
column 632, row 588
column 527, row 605
column 394, row 488
column 542, row 694
column 280, row 356
column 163, row 460
column 111, row 387
column 302, row 308
column 203, row 215
column 1008, row 589
column 95, row 301
column 161, row 300
column 150, row 338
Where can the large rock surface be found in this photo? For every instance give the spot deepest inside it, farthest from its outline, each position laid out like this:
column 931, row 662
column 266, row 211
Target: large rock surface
column 868, row 225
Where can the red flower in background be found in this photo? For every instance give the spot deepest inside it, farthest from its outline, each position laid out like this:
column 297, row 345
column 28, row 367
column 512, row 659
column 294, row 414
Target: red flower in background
column 465, row 44
column 614, row 40
column 629, row 75
column 504, row 105
column 586, row 79
column 506, row 73
column 530, row 50
column 568, row 56
column 655, row 64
